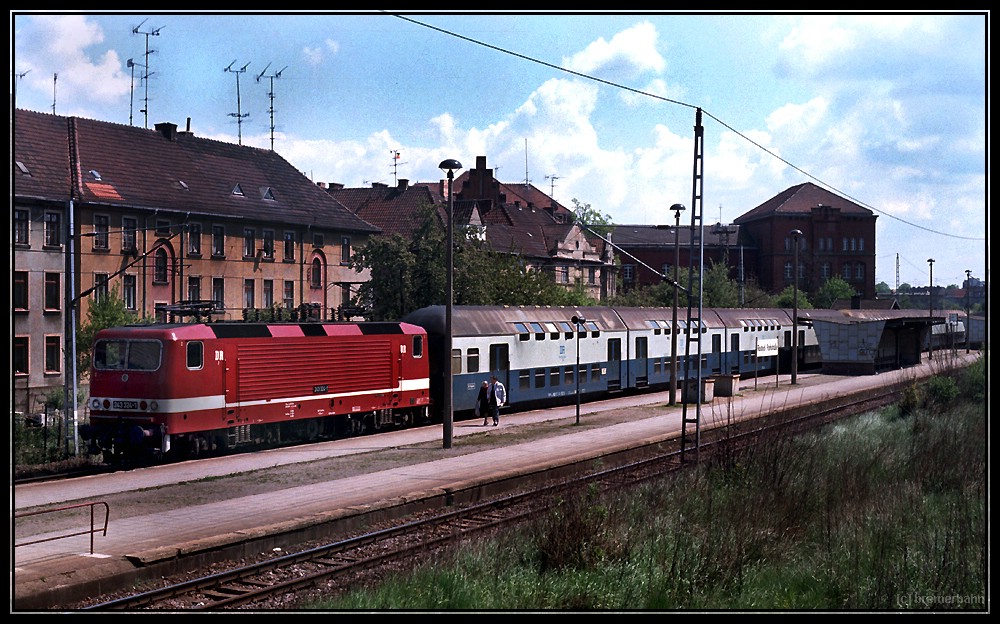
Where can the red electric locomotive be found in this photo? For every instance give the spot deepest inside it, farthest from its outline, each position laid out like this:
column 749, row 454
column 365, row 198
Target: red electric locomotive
column 194, row 389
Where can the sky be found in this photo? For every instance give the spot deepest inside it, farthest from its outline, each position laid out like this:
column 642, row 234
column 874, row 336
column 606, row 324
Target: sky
column 886, row 109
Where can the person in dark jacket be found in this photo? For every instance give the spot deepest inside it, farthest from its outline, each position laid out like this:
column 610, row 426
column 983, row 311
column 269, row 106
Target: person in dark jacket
column 483, row 402
column 498, row 396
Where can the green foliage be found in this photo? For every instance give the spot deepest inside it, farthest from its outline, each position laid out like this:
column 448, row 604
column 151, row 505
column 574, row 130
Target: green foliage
column 786, row 299
column 600, row 224
column 832, row 289
column 104, row 312
column 869, row 514
column 409, row 274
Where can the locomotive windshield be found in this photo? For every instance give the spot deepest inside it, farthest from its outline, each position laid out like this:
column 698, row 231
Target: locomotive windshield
column 136, row 355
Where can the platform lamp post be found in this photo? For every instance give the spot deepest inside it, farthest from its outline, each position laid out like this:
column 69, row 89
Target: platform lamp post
column 796, row 235
column 578, row 321
column 930, row 311
column 678, row 209
column 968, row 310
column 450, row 166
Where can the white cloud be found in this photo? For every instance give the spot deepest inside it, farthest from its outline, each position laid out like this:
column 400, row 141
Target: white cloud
column 630, row 53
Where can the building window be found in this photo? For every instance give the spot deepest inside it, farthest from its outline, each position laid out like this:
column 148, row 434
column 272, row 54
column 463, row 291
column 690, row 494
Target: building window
column 802, row 270
column 101, row 227
column 129, row 228
column 317, row 240
column 194, row 289
column 821, row 244
column 288, row 294
column 859, row 272
column 160, row 266
column 824, row 270
column 52, row 292
column 628, row 272
column 248, row 299
column 289, row 254
column 345, row 296
column 53, row 354
column 854, row 244
column 21, row 291
column 345, row 249
column 845, row 271
column 861, row 244
column 219, row 241
column 592, row 275
column 562, row 274
column 268, row 293
column 219, row 292
column 53, row 229
column 128, row 291
column 249, row 242
column 22, row 220
column 100, row 286
column 162, row 227
column 787, row 272
column 844, row 244
column 194, row 239
column 829, row 243
column 20, row 355
column 316, row 274
column 269, row 244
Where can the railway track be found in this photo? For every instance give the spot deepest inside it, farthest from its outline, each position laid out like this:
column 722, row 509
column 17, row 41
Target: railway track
column 277, row 582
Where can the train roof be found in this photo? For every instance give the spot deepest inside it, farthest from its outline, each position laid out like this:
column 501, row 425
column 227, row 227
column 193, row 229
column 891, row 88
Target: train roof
column 207, row 331
column 500, row 320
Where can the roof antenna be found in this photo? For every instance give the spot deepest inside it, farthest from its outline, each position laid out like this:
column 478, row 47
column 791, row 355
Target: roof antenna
column 151, row 33
column 54, row 78
column 395, row 164
column 552, row 177
column 270, row 95
column 526, row 180
column 16, row 78
column 238, row 115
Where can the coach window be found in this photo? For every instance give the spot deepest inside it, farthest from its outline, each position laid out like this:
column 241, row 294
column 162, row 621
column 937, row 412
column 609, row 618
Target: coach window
column 418, row 346
column 567, row 330
column 538, row 330
column 553, row 377
column 522, row 331
column 456, row 361
column 539, row 377
column 553, row 331
column 195, row 354
column 472, row 360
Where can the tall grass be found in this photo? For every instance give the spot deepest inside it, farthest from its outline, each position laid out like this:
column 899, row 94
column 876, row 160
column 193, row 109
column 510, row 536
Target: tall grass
column 884, row 513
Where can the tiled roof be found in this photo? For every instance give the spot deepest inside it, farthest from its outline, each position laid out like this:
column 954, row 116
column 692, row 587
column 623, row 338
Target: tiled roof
column 168, row 170
column 41, row 145
column 659, row 236
column 801, row 199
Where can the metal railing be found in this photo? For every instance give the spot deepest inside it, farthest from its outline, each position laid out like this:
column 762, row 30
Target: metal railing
column 92, row 505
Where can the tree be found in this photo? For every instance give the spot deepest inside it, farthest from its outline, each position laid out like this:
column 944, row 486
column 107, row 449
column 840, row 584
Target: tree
column 832, row 290
column 786, row 299
column 600, row 224
column 105, row 311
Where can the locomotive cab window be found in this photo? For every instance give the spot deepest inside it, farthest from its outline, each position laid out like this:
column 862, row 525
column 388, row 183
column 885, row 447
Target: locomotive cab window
column 418, row 346
column 195, row 355
column 137, row 355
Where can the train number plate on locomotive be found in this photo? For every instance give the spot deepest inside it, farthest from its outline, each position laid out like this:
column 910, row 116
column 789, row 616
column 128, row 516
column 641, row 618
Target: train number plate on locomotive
column 125, row 405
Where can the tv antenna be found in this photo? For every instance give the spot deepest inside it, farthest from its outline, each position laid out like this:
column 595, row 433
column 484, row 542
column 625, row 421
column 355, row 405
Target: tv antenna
column 526, row 180
column 16, row 78
column 154, row 32
column 55, row 77
column 552, row 177
column 270, row 95
column 395, row 164
column 238, row 114
column 131, row 64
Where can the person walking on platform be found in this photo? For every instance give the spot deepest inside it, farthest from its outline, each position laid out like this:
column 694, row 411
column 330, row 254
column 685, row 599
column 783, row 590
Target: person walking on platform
column 483, row 401
column 498, row 396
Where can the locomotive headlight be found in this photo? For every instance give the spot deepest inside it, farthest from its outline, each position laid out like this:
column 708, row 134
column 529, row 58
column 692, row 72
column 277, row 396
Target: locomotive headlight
column 107, row 404
column 153, row 406
column 142, row 405
column 95, row 404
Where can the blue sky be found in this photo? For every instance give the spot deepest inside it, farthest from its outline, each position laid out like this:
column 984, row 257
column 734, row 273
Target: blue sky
column 888, row 110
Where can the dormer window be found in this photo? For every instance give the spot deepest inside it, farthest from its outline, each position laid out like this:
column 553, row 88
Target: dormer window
column 238, row 191
column 266, row 194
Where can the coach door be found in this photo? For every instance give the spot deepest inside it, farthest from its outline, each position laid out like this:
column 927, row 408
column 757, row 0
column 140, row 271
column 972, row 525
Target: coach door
column 641, row 362
column 614, row 364
column 734, row 353
column 500, row 365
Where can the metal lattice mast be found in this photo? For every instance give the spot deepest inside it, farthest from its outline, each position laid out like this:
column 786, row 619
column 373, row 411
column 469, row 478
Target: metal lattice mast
column 692, row 439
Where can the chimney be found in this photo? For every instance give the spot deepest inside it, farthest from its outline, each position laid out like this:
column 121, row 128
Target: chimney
column 168, row 130
column 402, row 184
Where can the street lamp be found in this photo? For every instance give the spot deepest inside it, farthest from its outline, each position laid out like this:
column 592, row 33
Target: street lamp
column 796, row 234
column 678, row 209
column 930, row 312
column 578, row 321
column 450, row 166
column 968, row 310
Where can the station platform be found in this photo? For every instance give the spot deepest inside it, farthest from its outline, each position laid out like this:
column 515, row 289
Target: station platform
column 47, row 574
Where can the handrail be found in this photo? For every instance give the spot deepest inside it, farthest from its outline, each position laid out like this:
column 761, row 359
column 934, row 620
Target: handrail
column 92, row 505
